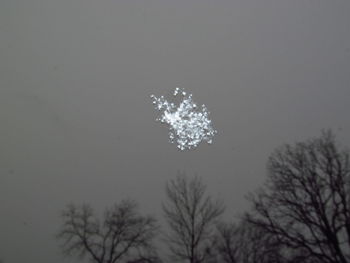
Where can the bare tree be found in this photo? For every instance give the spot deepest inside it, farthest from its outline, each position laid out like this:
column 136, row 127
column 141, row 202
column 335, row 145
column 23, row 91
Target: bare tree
column 305, row 202
column 227, row 242
column 124, row 234
column 191, row 215
column 246, row 243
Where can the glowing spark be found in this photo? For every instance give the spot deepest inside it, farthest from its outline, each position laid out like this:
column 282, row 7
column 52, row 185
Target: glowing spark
column 188, row 124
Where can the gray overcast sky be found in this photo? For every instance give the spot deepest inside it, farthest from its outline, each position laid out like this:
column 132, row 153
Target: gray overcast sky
column 77, row 123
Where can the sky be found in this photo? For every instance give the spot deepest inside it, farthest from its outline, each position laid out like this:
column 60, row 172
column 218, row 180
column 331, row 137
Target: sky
column 77, row 123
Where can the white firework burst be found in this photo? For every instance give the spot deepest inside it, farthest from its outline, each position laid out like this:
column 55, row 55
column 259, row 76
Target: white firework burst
column 188, row 124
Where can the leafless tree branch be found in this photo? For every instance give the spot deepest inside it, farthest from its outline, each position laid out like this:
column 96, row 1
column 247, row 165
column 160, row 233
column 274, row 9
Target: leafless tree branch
column 190, row 215
column 123, row 235
column 305, row 202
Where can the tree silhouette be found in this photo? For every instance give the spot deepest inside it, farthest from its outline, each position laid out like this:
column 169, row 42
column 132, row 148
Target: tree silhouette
column 305, row 202
column 244, row 242
column 123, row 236
column 191, row 215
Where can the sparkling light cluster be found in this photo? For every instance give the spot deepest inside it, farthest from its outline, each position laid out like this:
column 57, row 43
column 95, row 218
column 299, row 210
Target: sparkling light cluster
column 188, row 123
